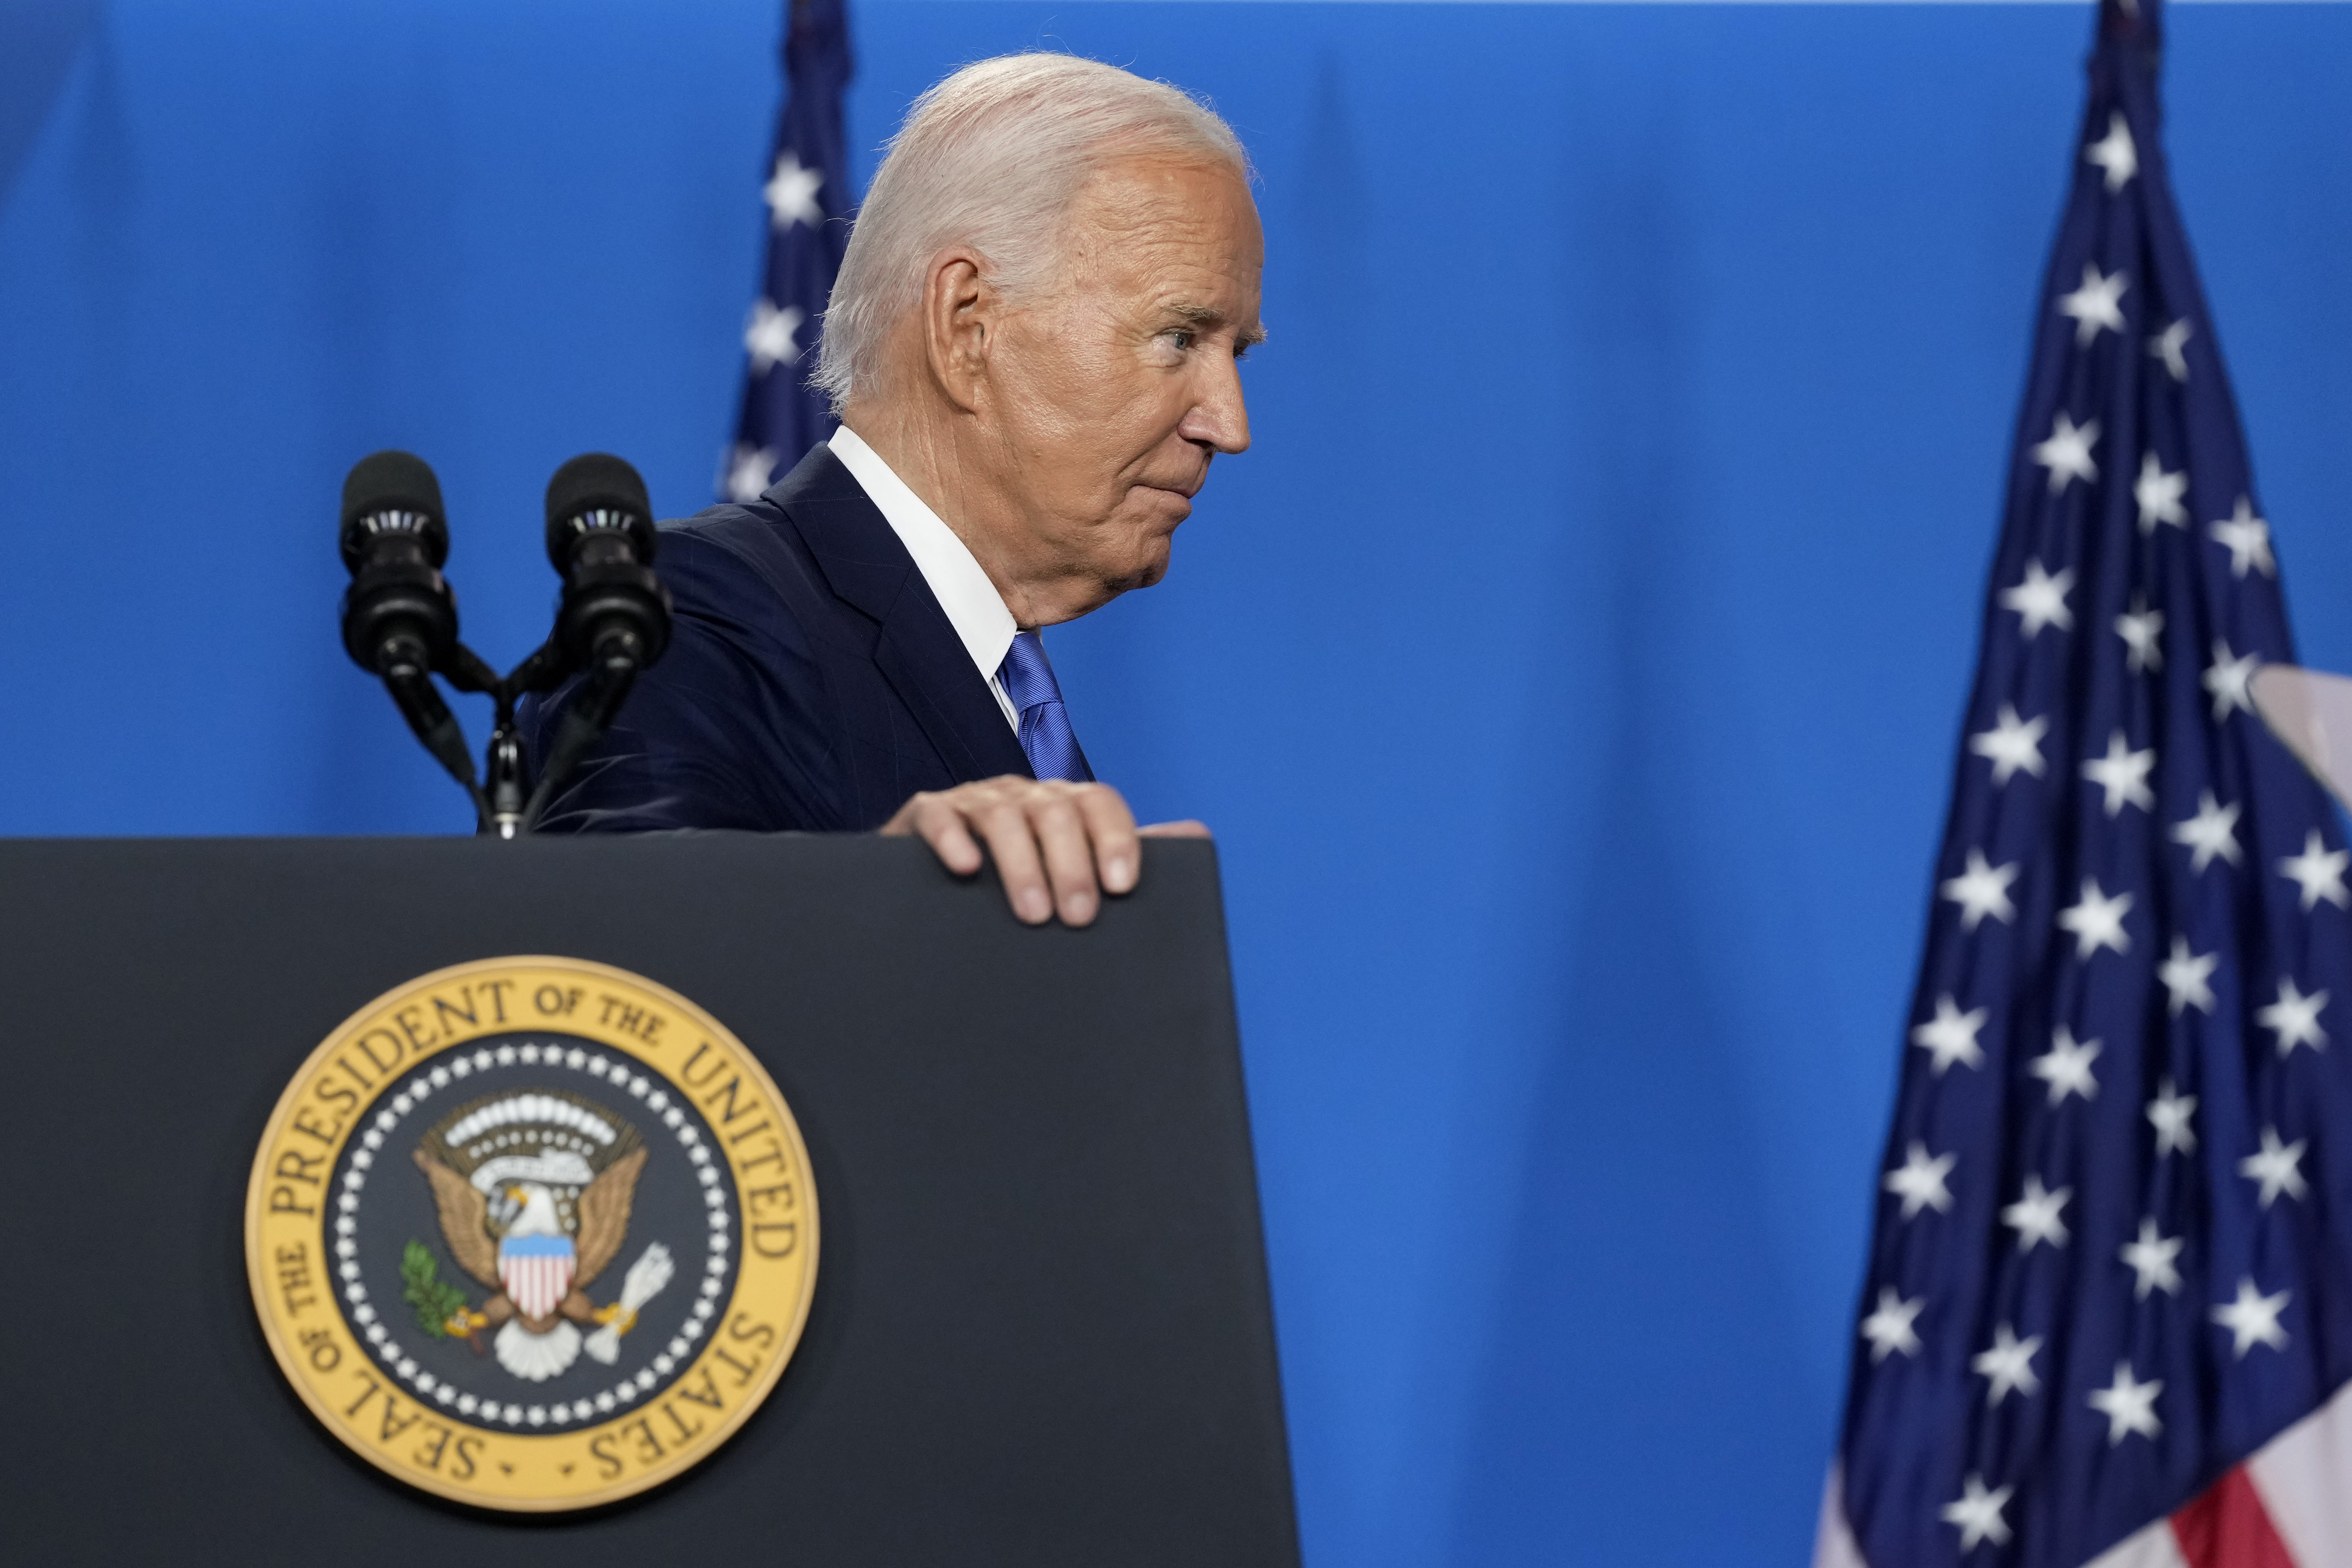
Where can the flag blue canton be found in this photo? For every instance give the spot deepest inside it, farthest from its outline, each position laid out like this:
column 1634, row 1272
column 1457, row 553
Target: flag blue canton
column 2110, row 1257
column 807, row 194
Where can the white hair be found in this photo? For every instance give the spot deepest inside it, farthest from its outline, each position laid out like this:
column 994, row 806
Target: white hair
column 991, row 158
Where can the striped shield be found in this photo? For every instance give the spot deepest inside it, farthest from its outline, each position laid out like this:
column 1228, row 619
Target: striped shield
column 536, row 1271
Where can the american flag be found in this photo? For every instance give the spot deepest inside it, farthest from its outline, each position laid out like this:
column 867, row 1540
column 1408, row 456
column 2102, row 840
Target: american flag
column 808, row 228
column 2109, row 1316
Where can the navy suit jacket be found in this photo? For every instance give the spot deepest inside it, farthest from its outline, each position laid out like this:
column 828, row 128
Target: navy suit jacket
column 811, row 681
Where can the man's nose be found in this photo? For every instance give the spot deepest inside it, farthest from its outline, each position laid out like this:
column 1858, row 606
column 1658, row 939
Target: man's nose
column 1218, row 418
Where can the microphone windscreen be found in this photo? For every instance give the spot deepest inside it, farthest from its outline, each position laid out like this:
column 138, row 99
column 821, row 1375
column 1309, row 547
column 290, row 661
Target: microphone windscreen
column 390, row 482
column 591, row 483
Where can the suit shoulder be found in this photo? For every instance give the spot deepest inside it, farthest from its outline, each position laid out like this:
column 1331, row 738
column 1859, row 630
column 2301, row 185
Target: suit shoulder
column 737, row 527
column 729, row 553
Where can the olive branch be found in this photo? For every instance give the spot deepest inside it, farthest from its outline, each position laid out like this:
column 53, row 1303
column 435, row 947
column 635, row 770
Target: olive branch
column 436, row 1300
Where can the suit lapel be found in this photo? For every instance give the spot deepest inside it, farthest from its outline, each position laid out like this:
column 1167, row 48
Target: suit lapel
column 917, row 650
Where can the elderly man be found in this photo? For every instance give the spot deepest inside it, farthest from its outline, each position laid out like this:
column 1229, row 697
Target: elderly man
column 1032, row 348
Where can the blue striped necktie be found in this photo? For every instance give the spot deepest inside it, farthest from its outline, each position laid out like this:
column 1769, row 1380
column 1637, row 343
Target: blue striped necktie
column 1046, row 738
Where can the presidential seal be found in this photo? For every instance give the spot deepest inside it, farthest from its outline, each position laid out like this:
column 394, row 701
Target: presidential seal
column 531, row 1233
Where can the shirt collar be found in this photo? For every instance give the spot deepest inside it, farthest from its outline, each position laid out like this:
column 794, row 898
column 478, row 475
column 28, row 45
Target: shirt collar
column 973, row 605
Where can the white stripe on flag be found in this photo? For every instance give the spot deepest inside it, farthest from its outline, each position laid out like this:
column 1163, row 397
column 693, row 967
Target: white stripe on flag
column 2305, row 1476
column 1833, row 1544
column 2154, row 1546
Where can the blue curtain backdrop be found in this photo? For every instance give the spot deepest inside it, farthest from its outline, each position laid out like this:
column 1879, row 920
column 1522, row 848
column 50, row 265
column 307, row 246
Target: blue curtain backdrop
column 1571, row 671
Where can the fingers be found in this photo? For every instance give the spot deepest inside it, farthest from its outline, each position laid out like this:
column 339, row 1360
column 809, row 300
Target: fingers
column 1004, row 823
column 1111, row 827
column 1058, row 847
column 940, row 822
column 1062, row 832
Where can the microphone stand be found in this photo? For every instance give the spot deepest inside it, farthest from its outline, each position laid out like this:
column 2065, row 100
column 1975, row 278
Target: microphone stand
column 410, row 681
column 511, row 803
column 610, row 680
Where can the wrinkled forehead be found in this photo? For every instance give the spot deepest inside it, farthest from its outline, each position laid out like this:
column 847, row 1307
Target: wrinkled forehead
column 1152, row 220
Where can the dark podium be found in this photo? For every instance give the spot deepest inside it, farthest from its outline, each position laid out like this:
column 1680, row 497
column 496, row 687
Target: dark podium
column 1040, row 1334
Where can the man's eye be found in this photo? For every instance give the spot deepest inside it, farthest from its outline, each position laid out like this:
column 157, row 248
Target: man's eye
column 1181, row 337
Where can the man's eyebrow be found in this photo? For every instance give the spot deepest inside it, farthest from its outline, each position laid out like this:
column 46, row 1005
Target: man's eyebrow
column 1210, row 316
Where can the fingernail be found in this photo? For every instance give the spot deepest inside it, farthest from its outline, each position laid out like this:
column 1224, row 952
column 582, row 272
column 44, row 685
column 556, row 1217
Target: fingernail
column 1078, row 909
column 1119, row 873
column 1035, row 906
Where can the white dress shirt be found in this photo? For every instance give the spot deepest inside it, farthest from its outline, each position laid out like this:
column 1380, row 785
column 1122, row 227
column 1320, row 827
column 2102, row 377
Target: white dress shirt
column 974, row 608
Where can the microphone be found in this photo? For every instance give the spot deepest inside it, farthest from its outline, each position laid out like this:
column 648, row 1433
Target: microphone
column 400, row 617
column 399, row 614
column 614, row 617
column 615, row 613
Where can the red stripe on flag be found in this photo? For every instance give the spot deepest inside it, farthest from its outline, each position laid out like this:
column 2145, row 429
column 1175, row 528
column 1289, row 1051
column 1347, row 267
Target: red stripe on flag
column 2229, row 1528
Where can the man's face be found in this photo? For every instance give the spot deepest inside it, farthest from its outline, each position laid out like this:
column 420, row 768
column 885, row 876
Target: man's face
column 1118, row 385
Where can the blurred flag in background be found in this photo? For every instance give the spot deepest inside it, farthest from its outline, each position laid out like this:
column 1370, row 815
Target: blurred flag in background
column 2109, row 1309
column 808, row 228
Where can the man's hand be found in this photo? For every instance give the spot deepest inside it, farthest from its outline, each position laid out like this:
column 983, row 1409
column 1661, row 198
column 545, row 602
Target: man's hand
column 1058, row 847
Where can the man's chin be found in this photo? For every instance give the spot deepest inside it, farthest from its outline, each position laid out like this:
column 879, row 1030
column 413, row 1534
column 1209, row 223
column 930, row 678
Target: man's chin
column 1149, row 565
column 1145, row 572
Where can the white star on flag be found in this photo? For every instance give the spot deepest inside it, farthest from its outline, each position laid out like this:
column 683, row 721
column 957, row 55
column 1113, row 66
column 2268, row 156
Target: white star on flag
column 2151, row 1260
column 2158, row 495
column 749, row 472
column 2247, row 538
column 2097, row 303
column 2318, row 872
column 2067, row 453
column 2140, row 628
column 1981, row 890
column 2116, row 154
column 792, row 194
column 1919, row 1180
column 2278, row 1168
column 2172, row 1112
column 1952, row 1035
column 2039, row 600
column 2098, row 922
column 2012, row 743
column 2186, row 975
column 2167, row 346
column 2066, row 1066
column 769, row 336
column 2128, row 1404
column 2254, row 1318
column 2294, row 1017
column 1889, row 1330
column 2212, row 832
column 2123, row 774
column 2227, row 679
column 2036, row 1215
column 1977, row 1514
column 2010, row 1365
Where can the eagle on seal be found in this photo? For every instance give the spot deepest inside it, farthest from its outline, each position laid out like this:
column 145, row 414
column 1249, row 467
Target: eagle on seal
column 533, row 1191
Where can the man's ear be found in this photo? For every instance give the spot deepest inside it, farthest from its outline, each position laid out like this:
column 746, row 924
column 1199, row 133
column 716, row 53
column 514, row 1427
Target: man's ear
column 961, row 315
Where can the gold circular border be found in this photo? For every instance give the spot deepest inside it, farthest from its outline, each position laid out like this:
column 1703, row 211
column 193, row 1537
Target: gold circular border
column 263, row 1277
